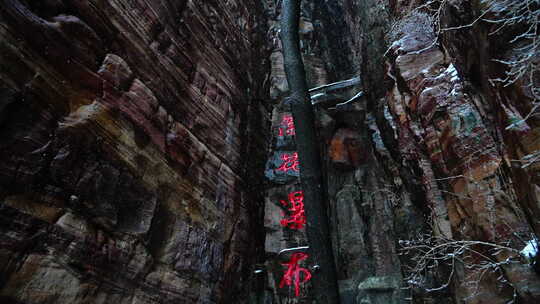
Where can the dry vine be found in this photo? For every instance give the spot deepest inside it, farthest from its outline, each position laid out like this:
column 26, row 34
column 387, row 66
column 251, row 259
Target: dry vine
column 507, row 15
column 429, row 255
column 522, row 67
column 435, row 258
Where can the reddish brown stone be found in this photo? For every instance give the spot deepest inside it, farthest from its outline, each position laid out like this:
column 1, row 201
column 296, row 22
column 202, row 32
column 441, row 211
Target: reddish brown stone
column 346, row 150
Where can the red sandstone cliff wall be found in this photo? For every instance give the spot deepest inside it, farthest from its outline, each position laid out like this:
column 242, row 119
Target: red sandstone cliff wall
column 133, row 136
column 129, row 152
column 425, row 159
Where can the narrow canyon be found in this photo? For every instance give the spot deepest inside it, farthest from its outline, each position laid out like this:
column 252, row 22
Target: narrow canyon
column 148, row 152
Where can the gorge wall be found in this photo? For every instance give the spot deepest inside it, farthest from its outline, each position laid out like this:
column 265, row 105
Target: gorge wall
column 431, row 174
column 131, row 150
column 140, row 142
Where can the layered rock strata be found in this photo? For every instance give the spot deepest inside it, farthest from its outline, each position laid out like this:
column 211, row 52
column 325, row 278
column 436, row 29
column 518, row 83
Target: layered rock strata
column 435, row 155
column 134, row 135
column 131, row 151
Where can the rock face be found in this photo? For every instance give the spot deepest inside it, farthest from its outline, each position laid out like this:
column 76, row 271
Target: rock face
column 146, row 155
column 430, row 175
column 131, row 151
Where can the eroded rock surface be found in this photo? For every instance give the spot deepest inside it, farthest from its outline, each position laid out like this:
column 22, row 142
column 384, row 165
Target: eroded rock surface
column 142, row 151
column 435, row 154
column 129, row 130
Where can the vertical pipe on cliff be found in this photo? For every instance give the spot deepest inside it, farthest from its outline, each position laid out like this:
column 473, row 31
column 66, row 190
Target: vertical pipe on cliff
column 325, row 286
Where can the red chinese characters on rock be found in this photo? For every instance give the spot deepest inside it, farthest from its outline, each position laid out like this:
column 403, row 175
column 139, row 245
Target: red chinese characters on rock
column 290, row 162
column 287, row 126
column 292, row 274
column 297, row 217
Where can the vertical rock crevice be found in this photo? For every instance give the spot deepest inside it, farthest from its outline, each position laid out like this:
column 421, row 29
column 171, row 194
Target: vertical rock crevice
column 428, row 156
column 134, row 136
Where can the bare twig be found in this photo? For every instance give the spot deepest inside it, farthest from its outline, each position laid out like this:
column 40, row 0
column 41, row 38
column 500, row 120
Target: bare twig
column 429, row 253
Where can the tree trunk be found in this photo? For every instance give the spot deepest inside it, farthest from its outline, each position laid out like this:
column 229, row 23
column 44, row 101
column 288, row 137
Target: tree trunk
column 325, row 287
